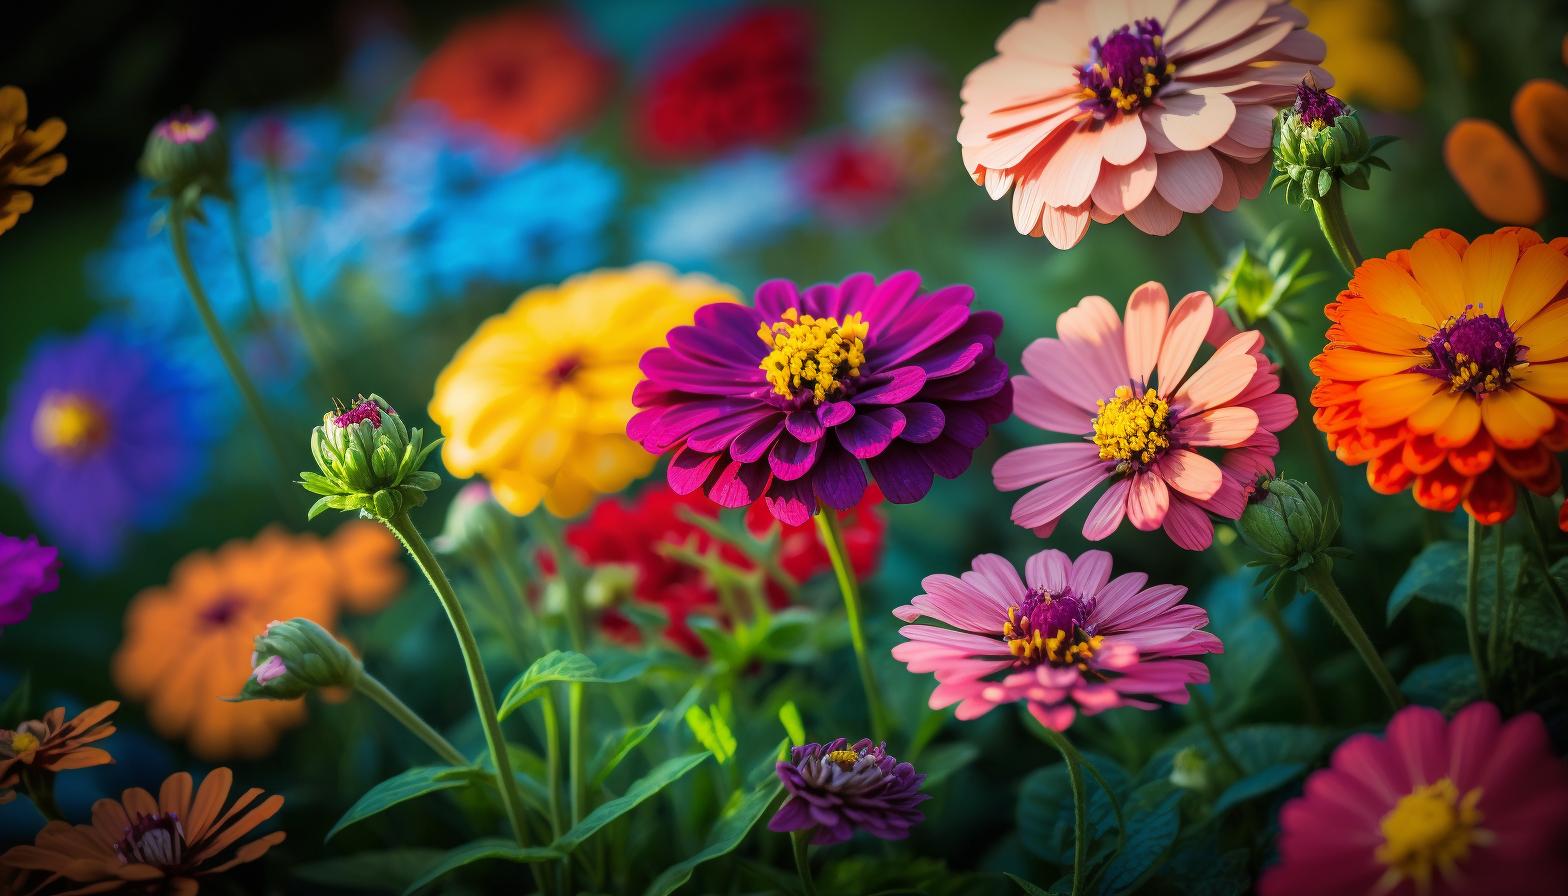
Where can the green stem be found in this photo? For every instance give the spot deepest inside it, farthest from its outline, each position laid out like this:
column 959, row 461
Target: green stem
column 209, row 320
column 1065, row 745
column 315, row 346
column 484, row 699
column 1297, row 383
column 1473, row 607
column 1538, row 541
column 1205, row 714
column 1321, row 580
column 833, row 540
column 576, row 732
column 571, row 573
column 39, row 787
column 1080, row 807
column 248, row 276
column 552, row 762
column 371, row 687
column 1492, row 638
column 1298, row 669
column 801, row 840
column 1336, row 229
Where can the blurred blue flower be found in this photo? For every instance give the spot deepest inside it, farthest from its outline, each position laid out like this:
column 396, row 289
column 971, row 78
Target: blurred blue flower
column 727, row 206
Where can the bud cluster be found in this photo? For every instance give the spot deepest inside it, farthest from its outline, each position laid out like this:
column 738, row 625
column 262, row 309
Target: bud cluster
column 369, row 460
column 296, row 657
column 1319, row 143
column 1291, row 528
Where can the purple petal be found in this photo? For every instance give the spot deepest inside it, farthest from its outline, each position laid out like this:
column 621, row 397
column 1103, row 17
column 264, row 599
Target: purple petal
column 923, row 421
column 670, row 369
column 952, row 358
column 964, row 425
column 794, row 815
column 855, row 292
column 928, row 321
column 839, row 480
column 679, row 421
column 791, row 458
column 832, row 413
column 893, row 386
column 689, row 470
column 736, row 324
column 717, row 435
column 870, row 433
column 775, row 297
column 892, row 296
column 738, row 484
column 701, row 345
column 804, row 425
column 981, row 381
column 791, row 503
column 998, row 407
column 642, row 423
column 946, row 457
column 757, row 438
column 902, row 474
column 822, row 300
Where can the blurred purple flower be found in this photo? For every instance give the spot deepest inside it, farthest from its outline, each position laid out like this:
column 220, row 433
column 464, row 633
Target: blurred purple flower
column 835, row 788
column 27, row 569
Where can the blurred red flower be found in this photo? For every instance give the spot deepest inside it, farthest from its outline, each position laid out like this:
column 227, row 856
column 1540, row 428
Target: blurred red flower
column 526, row 74
column 847, row 179
column 749, row 82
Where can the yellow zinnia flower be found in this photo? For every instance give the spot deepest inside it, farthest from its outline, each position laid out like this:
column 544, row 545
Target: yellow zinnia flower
column 22, row 159
column 538, row 399
column 1364, row 54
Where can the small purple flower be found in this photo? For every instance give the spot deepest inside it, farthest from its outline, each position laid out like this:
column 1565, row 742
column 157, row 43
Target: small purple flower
column 784, row 400
column 836, row 788
column 27, row 569
column 270, row 671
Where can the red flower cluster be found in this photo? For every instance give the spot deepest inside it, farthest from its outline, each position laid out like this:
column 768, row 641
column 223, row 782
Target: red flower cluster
column 847, row 179
column 750, row 82
column 628, row 534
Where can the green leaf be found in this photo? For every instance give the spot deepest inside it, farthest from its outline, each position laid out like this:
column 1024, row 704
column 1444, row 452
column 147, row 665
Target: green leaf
column 486, row 848
column 727, row 833
column 412, row 783
column 616, row 746
column 321, row 506
column 558, row 665
column 711, row 732
column 1256, row 785
column 790, row 717
column 941, row 761
column 1438, row 574
column 376, row 869
column 1028, row 887
column 1446, row 684
column 1259, row 747
column 15, row 709
column 666, row 772
column 1039, row 817
column 1149, row 834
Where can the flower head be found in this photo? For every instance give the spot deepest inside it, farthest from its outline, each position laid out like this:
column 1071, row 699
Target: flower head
column 749, row 82
column 1450, row 808
column 537, row 400
column 1443, row 370
column 296, row 657
column 52, row 744
column 1494, row 172
column 526, row 75
column 782, row 401
column 88, row 441
column 187, row 157
column 1068, row 637
column 23, row 159
column 147, row 845
column 369, row 461
column 1320, row 143
column 27, row 569
column 835, row 789
column 1145, row 434
column 1093, row 118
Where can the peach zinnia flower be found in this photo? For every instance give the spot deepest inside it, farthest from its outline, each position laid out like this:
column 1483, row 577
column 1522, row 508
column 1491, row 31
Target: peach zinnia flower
column 52, row 744
column 145, row 845
column 1097, row 110
column 1445, row 370
column 1142, row 433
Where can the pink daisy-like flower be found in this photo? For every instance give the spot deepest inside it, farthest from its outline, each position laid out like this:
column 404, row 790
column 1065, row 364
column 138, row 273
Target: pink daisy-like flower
column 1071, row 638
column 1469, row 807
column 1145, row 434
column 1144, row 108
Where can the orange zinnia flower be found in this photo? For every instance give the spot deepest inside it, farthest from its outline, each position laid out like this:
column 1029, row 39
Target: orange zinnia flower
column 1540, row 113
column 525, row 74
column 23, row 162
column 188, row 643
column 52, row 744
column 148, row 846
column 1446, row 369
column 1494, row 172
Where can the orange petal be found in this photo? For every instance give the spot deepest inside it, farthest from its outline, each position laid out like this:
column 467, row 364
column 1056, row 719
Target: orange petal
column 138, row 802
column 1515, row 418
column 1354, row 366
column 1540, row 113
column 1486, row 269
column 1474, row 457
column 1549, row 381
column 1494, row 172
column 1546, row 334
column 1390, row 290
column 1379, row 332
column 1556, row 438
column 1430, row 414
column 1422, row 455
column 1492, row 497
column 1387, row 400
column 110, row 820
column 268, row 808
column 209, row 801
column 1436, row 264
column 1525, row 463
column 81, row 757
column 1451, row 237
column 1388, row 474
column 1442, row 489
column 1461, row 425
column 175, row 794
column 1535, row 281
column 1549, row 481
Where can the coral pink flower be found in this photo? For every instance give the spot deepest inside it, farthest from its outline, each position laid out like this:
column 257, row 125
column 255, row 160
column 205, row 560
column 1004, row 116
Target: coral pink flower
column 1144, row 108
column 1145, row 434
column 1471, row 806
column 1071, row 639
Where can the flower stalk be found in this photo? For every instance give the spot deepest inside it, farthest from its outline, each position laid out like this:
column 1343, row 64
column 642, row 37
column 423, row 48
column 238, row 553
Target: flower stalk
column 1335, row 224
column 39, row 787
column 801, row 841
column 1080, row 807
column 372, row 687
column 1473, row 608
column 833, row 539
column 1320, row 579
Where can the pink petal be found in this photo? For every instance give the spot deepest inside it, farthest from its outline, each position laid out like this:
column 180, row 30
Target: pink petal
column 1184, row 332
column 1275, row 412
column 1186, row 15
column 1011, row 149
column 1192, row 121
column 997, row 577
column 1145, row 328
column 1070, row 174
column 1055, row 31
column 1099, row 215
column 998, row 182
column 1219, row 428
column 1123, row 140
column 1107, row 513
column 1189, row 180
column 946, row 637
column 1092, row 334
column 1038, row 406
column 1148, row 501
column 1190, row 473
column 1215, row 383
column 1039, row 463
column 1051, row 365
column 1229, row 150
column 1064, row 226
column 1221, row 328
column 1256, row 43
column 1121, row 590
column 1049, row 569
column 1229, row 195
column 1029, row 197
column 1224, row 22
column 1254, row 126
column 1049, row 501
column 951, row 588
column 1056, row 718
column 1090, row 572
column 1154, row 215
column 1188, row 526
column 1253, row 175
column 1231, row 498
column 1122, row 187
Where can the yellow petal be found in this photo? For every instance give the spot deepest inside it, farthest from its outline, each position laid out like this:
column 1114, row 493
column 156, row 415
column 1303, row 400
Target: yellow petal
column 1390, row 290
column 1515, row 418
column 1438, row 270
column 1425, row 419
column 1462, row 423
column 1487, row 265
column 1541, row 272
column 1549, row 381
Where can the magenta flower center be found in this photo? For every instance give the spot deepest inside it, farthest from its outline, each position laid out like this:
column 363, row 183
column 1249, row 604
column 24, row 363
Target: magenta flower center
column 1315, row 107
column 1053, row 628
column 69, row 425
column 1125, row 71
column 365, row 410
column 221, row 612
column 156, row 839
column 1474, row 352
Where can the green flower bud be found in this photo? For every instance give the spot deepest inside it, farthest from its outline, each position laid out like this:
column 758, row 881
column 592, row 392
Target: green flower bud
column 296, row 657
column 1319, row 143
column 1290, row 527
column 369, row 461
column 187, row 156
column 1189, row 770
column 476, row 526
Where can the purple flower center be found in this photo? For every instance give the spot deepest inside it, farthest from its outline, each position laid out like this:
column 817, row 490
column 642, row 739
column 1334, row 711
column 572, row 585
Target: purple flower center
column 561, row 373
column 69, row 425
column 1125, row 71
column 186, row 126
column 1052, row 628
column 1474, row 352
column 156, row 839
column 1315, row 107
column 365, row 410
column 221, row 612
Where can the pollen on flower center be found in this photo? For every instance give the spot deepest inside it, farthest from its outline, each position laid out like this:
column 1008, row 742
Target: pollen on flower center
column 69, row 424
column 844, row 759
column 364, row 409
column 1129, row 428
column 815, row 353
column 1430, row 827
column 23, row 742
column 1475, row 352
column 1053, row 628
column 1125, row 71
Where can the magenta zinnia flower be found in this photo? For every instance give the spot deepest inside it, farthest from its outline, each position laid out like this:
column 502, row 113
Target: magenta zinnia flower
column 1072, row 638
column 836, row 788
column 27, row 569
column 785, row 399
column 1145, row 434
column 1471, row 806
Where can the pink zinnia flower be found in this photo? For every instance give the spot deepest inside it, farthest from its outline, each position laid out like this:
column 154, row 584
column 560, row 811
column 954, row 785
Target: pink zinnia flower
column 1146, row 109
column 1471, row 806
column 1072, row 638
column 1094, row 381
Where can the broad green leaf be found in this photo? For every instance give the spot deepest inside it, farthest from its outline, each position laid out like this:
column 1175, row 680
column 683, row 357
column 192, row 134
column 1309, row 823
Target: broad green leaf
column 376, row 869
column 793, row 726
column 412, row 783
column 1446, row 684
column 1259, row 747
column 1266, row 781
column 486, row 848
column 646, row 786
column 1040, row 803
column 1028, row 887
column 559, row 665
column 1438, row 574
column 711, row 732
column 1149, row 835
column 616, row 746
column 727, row 833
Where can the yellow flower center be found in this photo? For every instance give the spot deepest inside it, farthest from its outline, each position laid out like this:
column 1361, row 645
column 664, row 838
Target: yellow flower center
column 69, row 424
column 1031, row 646
column 1429, row 827
column 844, row 759
column 23, row 742
column 813, row 353
column 1129, row 428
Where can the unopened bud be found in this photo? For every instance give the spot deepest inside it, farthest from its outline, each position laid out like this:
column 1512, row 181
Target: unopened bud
column 296, row 657
column 1320, row 143
column 1289, row 526
column 187, row 156
column 369, row 461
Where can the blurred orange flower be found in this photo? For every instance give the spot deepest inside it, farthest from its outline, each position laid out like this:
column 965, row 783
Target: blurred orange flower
column 1540, row 113
column 526, row 74
column 22, row 159
column 52, row 744
column 188, row 643
column 1494, row 172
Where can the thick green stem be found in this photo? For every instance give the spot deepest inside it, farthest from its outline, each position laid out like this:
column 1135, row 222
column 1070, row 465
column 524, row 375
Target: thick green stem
column 1473, row 608
column 801, row 840
column 315, row 345
column 1336, row 229
column 1062, row 743
column 1297, row 382
column 1298, row 669
column 397, row 709
column 1492, row 638
column 39, row 787
column 833, row 540
column 1321, row 580
column 248, row 276
column 1538, row 541
column 484, row 699
column 1080, row 807
column 577, row 734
